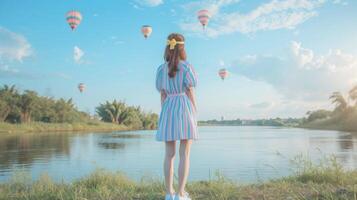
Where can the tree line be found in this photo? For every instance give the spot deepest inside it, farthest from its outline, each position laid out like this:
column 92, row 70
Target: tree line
column 254, row 122
column 28, row 106
column 343, row 116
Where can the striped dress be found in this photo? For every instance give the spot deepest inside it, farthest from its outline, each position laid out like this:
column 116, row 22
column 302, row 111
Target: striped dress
column 178, row 117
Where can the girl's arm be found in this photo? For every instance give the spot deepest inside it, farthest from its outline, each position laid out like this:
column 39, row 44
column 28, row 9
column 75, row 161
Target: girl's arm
column 163, row 96
column 190, row 92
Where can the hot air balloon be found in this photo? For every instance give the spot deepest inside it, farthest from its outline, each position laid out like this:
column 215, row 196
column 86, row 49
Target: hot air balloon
column 203, row 16
column 223, row 73
column 74, row 18
column 146, row 30
column 81, row 87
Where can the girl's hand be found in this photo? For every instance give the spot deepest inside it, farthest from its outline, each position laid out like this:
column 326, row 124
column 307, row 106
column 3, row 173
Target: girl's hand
column 163, row 96
column 191, row 95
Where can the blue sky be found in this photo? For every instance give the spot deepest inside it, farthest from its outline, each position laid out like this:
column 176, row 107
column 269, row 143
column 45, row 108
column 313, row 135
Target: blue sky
column 284, row 57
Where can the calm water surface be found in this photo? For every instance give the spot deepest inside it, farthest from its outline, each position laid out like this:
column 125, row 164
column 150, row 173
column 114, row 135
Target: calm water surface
column 246, row 154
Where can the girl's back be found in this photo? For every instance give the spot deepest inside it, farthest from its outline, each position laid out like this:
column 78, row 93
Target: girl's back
column 185, row 77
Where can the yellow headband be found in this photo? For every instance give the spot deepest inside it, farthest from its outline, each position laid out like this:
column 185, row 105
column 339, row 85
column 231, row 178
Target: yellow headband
column 173, row 43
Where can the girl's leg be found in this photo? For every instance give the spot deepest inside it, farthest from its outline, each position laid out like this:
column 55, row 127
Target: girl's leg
column 185, row 146
column 169, row 166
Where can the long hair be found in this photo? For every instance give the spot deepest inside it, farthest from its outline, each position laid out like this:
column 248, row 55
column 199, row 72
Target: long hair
column 173, row 56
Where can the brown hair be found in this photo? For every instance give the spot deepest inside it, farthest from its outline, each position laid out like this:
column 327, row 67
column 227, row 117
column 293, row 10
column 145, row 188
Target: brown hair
column 173, row 56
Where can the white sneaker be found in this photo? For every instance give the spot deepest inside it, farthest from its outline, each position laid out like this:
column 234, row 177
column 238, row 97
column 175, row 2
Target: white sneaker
column 169, row 197
column 186, row 196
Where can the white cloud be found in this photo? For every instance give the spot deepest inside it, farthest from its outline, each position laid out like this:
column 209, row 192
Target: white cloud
column 13, row 46
column 269, row 16
column 334, row 61
column 62, row 75
column 221, row 63
column 173, row 12
column 8, row 70
column 302, row 74
column 261, row 105
column 77, row 55
column 340, row 2
column 115, row 40
column 214, row 6
column 151, row 3
column 302, row 56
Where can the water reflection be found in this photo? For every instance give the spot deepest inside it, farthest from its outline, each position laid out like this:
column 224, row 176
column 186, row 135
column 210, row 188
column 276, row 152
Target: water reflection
column 117, row 140
column 123, row 135
column 345, row 141
column 340, row 144
column 112, row 145
column 241, row 153
column 25, row 149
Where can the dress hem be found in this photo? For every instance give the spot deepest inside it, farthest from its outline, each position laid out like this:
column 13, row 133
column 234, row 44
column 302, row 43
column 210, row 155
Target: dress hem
column 178, row 139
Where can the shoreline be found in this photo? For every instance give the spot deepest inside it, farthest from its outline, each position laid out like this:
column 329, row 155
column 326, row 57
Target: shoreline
column 41, row 127
column 303, row 126
column 331, row 128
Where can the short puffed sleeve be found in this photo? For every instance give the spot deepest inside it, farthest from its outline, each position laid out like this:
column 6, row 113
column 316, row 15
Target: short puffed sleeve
column 190, row 78
column 159, row 79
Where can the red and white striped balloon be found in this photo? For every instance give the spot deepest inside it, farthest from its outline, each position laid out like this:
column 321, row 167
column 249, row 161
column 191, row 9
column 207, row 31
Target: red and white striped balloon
column 223, row 73
column 81, row 87
column 146, row 30
column 73, row 18
column 203, row 16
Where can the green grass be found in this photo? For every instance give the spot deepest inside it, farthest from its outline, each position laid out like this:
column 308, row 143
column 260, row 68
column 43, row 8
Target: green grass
column 60, row 127
column 325, row 181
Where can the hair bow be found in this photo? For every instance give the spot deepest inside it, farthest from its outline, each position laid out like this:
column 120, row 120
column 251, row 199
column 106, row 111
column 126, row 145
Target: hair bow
column 172, row 43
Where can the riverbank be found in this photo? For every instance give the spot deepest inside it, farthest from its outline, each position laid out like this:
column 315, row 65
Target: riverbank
column 331, row 124
column 309, row 182
column 103, row 126
column 61, row 127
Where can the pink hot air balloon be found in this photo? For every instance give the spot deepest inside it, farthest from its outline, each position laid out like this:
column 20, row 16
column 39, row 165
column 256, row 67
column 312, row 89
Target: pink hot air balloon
column 203, row 16
column 223, row 73
column 74, row 18
column 146, row 30
column 81, row 87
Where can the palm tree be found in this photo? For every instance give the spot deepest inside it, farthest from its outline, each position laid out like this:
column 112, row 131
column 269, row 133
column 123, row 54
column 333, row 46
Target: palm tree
column 119, row 112
column 27, row 104
column 339, row 101
column 64, row 110
column 4, row 110
column 318, row 115
column 132, row 119
column 102, row 113
column 10, row 89
column 116, row 111
column 112, row 111
column 149, row 120
column 353, row 94
column 8, row 97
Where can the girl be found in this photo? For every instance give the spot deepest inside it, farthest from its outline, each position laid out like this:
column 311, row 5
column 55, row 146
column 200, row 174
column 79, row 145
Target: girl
column 175, row 81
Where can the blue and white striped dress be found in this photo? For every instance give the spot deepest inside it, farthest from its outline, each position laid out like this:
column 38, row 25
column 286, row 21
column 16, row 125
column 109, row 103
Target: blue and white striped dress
column 178, row 117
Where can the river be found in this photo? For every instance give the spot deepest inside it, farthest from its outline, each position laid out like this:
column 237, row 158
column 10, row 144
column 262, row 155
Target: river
column 245, row 154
